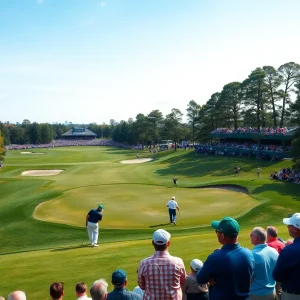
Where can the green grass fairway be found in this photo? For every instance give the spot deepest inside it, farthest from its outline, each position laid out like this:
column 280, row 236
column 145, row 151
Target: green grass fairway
column 143, row 206
column 42, row 233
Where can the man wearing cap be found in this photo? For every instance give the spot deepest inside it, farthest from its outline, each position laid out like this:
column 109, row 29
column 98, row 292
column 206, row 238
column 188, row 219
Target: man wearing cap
column 91, row 223
column 161, row 275
column 231, row 268
column 262, row 284
column 287, row 268
column 172, row 205
column 119, row 280
column 192, row 290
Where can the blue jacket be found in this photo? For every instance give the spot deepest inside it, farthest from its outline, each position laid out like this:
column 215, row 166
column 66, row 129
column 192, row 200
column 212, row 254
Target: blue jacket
column 123, row 294
column 287, row 268
column 232, row 269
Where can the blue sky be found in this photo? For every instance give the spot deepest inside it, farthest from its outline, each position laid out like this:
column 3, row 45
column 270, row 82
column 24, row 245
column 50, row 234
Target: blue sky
column 85, row 61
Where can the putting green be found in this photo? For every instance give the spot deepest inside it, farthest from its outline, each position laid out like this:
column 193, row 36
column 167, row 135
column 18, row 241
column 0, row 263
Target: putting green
column 144, row 206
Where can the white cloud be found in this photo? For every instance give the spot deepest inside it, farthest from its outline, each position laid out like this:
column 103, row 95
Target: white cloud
column 102, row 3
column 39, row 1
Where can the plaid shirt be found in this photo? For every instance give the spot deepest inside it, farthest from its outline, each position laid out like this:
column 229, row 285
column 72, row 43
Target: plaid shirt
column 161, row 276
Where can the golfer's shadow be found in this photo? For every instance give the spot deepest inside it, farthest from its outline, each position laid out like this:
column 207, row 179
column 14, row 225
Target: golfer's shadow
column 159, row 225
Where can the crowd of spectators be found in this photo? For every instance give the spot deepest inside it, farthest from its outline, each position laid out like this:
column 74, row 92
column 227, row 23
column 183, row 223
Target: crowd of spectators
column 263, row 130
column 70, row 143
column 286, row 174
column 270, row 270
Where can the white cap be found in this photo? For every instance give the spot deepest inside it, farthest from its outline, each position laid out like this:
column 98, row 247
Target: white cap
column 161, row 237
column 173, row 198
column 294, row 220
column 196, row 264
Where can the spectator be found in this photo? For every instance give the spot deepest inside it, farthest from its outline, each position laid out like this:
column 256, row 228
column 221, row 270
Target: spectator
column 272, row 239
column 16, row 295
column 288, row 264
column 138, row 291
column 262, row 283
column 81, row 291
column 57, row 290
column 119, row 280
column 161, row 276
column 98, row 290
column 230, row 269
column 278, row 245
column 192, row 290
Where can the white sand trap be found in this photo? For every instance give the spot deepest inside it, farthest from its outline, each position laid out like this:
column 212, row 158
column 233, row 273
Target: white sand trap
column 136, row 161
column 32, row 153
column 41, row 172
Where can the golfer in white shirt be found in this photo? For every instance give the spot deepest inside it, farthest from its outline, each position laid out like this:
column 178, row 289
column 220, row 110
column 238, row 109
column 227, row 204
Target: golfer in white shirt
column 172, row 205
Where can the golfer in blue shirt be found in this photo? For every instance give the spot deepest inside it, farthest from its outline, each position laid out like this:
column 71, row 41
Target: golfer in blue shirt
column 230, row 269
column 91, row 223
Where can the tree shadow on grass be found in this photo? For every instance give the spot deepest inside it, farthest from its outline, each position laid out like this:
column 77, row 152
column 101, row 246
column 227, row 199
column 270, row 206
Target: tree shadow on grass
column 283, row 188
column 221, row 166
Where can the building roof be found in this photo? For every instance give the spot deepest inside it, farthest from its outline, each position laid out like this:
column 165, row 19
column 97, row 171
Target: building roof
column 78, row 131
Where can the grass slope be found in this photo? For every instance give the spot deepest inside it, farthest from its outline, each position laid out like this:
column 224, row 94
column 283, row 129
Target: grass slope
column 35, row 253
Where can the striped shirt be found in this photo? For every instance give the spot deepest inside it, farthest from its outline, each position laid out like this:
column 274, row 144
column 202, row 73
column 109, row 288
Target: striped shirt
column 161, row 276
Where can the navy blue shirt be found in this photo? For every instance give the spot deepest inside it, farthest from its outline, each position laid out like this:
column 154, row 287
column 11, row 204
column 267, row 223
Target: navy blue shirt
column 94, row 216
column 232, row 269
column 287, row 268
column 123, row 294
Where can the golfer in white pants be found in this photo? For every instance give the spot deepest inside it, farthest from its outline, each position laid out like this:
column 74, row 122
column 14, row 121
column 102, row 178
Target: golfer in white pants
column 92, row 219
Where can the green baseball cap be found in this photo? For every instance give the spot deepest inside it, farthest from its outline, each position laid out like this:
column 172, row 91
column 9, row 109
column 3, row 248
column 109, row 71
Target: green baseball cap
column 101, row 206
column 227, row 225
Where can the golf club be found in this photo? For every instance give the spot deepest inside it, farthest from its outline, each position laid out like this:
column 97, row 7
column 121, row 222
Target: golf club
column 179, row 216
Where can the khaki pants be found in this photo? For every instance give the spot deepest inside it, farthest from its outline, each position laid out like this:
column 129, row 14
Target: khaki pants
column 263, row 297
column 286, row 296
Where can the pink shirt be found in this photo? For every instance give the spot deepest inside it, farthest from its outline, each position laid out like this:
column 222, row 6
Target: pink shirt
column 276, row 244
column 161, row 276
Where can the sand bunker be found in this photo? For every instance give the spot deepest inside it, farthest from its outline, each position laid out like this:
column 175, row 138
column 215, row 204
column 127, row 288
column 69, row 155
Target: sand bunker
column 41, row 172
column 136, row 161
column 32, row 153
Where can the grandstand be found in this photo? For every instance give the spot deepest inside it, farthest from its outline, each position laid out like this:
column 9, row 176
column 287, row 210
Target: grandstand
column 268, row 143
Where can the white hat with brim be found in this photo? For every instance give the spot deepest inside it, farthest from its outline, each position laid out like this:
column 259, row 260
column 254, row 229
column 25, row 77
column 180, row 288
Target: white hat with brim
column 294, row 220
column 161, row 237
column 196, row 264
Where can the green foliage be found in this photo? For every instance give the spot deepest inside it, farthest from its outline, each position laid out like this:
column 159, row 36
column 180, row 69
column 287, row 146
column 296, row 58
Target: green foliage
column 2, row 149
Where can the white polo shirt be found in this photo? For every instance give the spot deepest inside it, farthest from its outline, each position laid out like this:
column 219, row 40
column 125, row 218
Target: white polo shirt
column 172, row 204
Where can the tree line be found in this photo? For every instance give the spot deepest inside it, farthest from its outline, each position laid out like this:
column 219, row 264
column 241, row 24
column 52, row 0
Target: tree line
column 269, row 97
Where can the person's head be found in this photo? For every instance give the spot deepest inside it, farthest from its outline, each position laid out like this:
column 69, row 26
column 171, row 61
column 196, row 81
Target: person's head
column 2, row 298
column 100, row 207
column 227, row 230
column 161, row 239
column 293, row 224
column 17, row 295
column 81, row 289
column 196, row 265
column 258, row 236
column 98, row 289
column 119, row 278
column 272, row 232
column 57, row 290
column 173, row 198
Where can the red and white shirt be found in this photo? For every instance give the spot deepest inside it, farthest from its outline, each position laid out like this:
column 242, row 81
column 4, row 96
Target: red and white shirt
column 161, row 276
